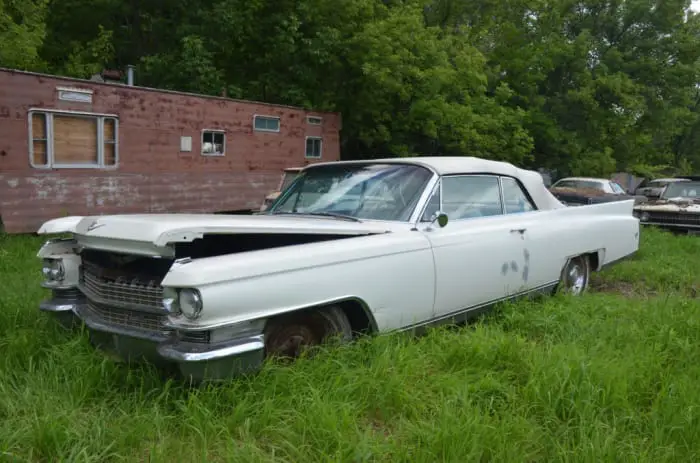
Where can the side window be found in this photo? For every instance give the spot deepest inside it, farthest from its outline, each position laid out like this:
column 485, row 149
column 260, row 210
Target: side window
column 515, row 199
column 466, row 197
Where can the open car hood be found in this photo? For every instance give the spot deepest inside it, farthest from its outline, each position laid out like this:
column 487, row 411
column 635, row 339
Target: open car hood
column 161, row 229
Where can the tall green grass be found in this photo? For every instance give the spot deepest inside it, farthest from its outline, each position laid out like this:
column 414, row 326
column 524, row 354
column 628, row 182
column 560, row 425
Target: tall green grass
column 604, row 377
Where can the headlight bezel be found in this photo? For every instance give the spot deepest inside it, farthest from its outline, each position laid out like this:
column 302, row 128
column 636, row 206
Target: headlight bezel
column 53, row 270
column 186, row 302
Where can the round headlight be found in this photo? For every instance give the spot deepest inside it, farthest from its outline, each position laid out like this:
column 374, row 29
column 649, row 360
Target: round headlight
column 53, row 269
column 190, row 302
column 644, row 216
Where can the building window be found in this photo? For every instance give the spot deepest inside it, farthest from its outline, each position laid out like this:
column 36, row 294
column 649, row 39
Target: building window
column 266, row 123
column 213, row 143
column 314, row 120
column 72, row 140
column 314, row 147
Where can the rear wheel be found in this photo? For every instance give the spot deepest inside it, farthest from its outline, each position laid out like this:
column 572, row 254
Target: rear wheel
column 289, row 336
column 575, row 276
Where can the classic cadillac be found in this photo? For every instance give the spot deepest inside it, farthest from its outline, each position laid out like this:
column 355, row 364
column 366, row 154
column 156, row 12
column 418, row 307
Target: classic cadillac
column 677, row 209
column 348, row 248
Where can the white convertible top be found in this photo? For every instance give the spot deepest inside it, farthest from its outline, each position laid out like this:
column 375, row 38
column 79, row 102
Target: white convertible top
column 452, row 165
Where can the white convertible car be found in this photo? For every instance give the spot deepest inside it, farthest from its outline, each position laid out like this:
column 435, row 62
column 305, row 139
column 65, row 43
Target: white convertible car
column 348, row 248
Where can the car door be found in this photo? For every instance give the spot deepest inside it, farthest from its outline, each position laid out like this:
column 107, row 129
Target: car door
column 541, row 259
column 478, row 255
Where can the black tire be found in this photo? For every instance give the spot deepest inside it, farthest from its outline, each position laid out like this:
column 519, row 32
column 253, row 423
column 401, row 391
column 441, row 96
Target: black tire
column 575, row 276
column 288, row 336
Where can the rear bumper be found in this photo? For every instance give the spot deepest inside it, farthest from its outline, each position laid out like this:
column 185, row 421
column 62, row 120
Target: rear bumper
column 197, row 361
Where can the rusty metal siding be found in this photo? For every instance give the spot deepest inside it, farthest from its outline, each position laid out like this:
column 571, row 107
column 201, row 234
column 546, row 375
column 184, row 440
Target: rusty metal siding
column 153, row 175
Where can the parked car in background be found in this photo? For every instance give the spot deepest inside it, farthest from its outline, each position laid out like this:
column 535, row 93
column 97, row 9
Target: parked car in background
column 288, row 176
column 677, row 209
column 576, row 191
column 394, row 244
column 652, row 188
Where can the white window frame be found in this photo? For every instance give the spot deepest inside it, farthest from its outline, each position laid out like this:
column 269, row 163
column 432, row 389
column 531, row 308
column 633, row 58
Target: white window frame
column 320, row 148
column 317, row 120
column 262, row 116
column 201, row 140
column 50, row 160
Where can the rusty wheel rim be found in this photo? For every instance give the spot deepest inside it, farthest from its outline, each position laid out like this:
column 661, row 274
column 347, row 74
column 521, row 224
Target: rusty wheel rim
column 292, row 341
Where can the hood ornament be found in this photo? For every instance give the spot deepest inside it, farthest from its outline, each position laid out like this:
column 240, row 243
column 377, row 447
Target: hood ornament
column 94, row 225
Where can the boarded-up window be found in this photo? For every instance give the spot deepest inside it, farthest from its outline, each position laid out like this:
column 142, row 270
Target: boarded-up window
column 39, row 140
column 73, row 140
column 110, row 142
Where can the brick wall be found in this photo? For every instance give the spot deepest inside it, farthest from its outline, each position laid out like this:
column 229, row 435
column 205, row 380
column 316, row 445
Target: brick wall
column 153, row 175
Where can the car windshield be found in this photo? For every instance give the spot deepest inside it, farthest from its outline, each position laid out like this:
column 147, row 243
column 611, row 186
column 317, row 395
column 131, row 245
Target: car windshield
column 579, row 184
column 682, row 190
column 289, row 177
column 372, row 191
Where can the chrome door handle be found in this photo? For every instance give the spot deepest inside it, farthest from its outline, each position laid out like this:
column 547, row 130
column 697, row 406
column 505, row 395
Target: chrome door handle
column 519, row 230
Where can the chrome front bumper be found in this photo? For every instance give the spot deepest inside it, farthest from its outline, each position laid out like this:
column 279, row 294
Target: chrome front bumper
column 195, row 360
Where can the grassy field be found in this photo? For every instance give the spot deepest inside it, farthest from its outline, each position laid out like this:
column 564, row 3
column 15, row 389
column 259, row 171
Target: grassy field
column 611, row 376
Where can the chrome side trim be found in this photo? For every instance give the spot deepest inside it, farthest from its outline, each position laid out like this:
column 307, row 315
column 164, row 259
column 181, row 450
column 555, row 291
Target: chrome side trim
column 182, row 324
column 469, row 312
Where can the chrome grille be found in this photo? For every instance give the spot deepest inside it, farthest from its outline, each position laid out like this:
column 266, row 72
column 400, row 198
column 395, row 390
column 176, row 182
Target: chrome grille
column 128, row 297
column 128, row 318
column 119, row 289
column 675, row 217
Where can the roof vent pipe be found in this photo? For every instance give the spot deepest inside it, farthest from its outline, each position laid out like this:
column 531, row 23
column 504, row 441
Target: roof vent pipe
column 130, row 75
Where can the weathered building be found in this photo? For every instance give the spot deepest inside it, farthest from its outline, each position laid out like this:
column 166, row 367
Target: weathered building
column 77, row 147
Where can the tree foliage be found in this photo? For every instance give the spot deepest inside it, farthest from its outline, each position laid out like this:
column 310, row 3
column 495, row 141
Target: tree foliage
column 580, row 86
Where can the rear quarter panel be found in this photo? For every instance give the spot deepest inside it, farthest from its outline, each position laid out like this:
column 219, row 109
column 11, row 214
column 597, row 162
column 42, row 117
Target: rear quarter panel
column 609, row 229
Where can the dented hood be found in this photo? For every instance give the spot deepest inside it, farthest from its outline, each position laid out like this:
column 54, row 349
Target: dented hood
column 161, row 229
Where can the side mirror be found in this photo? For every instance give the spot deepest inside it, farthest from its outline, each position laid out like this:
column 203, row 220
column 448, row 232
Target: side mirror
column 439, row 217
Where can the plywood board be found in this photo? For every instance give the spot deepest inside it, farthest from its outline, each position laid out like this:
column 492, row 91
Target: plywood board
column 74, row 139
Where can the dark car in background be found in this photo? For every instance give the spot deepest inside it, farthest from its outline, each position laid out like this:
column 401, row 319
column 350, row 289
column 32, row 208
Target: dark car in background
column 653, row 188
column 677, row 209
column 578, row 191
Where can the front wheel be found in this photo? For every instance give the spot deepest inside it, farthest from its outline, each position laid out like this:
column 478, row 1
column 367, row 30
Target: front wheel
column 289, row 336
column 575, row 276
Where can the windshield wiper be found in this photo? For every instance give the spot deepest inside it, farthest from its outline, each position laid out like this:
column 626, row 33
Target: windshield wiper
column 320, row 214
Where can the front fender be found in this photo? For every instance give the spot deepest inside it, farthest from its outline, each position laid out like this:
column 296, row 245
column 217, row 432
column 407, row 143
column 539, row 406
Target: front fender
column 393, row 274
column 60, row 225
